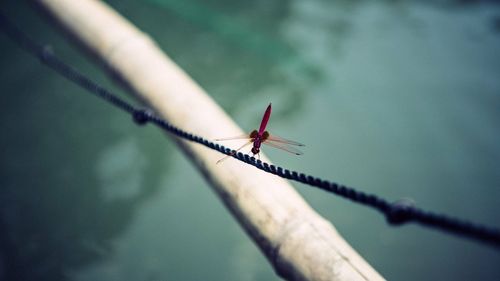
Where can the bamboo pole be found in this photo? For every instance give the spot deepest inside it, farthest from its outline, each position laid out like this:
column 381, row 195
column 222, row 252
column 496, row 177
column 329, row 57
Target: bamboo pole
column 299, row 243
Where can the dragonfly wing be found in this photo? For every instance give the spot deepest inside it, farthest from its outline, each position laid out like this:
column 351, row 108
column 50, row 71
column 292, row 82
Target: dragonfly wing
column 234, row 152
column 240, row 137
column 284, row 147
column 274, row 138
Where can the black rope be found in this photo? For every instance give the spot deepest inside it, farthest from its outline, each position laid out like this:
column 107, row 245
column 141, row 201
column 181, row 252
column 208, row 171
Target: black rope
column 396, row 213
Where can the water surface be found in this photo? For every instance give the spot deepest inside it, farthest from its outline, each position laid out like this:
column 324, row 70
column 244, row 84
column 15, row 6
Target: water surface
column 396, row 98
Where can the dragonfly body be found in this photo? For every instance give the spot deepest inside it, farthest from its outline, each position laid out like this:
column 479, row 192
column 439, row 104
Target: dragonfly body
column 260, row 136
column 257, row 138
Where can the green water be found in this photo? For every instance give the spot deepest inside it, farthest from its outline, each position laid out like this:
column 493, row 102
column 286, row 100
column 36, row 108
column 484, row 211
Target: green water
column 397, row 98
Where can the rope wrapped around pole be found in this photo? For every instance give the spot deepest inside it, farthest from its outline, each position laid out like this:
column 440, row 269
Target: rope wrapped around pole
column 299, row 243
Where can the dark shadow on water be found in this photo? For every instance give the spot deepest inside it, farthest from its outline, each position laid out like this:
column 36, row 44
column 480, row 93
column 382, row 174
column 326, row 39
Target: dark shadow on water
column 52, row 230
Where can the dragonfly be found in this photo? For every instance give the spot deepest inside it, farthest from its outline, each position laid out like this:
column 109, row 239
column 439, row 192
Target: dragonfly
column 257, row 138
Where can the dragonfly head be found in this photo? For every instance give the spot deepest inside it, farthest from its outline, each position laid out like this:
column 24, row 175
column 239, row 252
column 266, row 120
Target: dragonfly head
column 255, row 150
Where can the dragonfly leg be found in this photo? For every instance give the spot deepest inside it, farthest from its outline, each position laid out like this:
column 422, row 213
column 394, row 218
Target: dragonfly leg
column 233, row 152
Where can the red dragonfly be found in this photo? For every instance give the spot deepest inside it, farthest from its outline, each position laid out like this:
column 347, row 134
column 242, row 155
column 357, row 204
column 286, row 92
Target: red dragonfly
column 263, row 137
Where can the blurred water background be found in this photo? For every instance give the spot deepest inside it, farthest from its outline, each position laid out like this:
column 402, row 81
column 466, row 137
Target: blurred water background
column 396, row 98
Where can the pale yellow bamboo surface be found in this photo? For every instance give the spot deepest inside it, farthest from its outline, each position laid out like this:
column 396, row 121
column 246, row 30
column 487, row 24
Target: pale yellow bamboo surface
column 299, row 243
